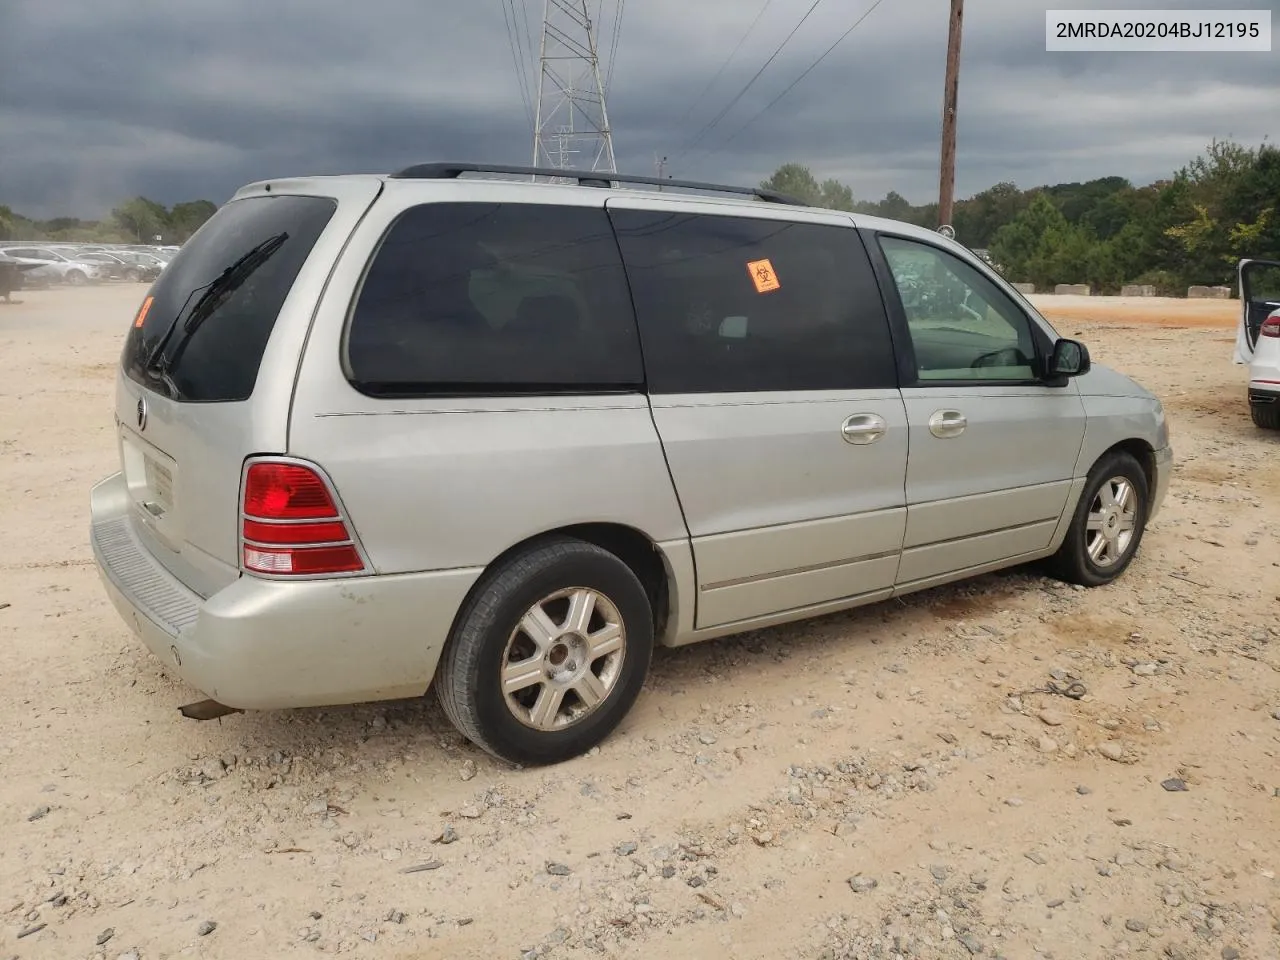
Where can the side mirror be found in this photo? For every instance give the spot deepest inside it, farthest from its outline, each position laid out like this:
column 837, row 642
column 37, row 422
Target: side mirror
column 1070, row 359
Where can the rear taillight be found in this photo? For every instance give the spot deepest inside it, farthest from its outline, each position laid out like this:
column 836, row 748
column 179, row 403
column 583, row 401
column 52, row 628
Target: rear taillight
column 291, row 524
column 1270, row 327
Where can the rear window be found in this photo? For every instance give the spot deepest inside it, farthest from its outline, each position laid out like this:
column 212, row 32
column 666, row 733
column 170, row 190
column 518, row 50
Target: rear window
column 465, row 298
column 242, row 262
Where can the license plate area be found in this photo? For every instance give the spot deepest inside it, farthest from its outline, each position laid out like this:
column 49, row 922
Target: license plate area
column 152, row 478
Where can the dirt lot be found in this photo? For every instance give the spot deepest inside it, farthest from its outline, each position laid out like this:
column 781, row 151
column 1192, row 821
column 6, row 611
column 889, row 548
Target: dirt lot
column 884, row 783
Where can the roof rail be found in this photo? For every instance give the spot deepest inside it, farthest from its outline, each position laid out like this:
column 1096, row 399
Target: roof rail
column 585, row 178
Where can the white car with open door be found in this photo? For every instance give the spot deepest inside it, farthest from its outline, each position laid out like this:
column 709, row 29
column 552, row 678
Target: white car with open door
column 1258, row 338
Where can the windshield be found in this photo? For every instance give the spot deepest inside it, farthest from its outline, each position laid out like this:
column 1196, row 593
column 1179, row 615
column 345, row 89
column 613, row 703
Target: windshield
column 217, row 358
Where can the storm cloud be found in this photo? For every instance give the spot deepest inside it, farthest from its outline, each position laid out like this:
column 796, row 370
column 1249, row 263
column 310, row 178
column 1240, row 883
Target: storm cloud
column 104, row 99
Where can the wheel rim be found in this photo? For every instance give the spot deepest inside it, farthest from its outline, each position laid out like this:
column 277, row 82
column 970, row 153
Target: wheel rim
column 1113, row 520
column 563, row 659
column 75, row 278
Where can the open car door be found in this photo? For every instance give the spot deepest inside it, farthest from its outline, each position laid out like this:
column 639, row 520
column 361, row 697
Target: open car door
column 1259, row 297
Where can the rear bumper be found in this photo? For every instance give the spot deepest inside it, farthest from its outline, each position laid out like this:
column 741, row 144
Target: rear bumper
column 265, row 644
column 1264, row 392
column 1164, row 472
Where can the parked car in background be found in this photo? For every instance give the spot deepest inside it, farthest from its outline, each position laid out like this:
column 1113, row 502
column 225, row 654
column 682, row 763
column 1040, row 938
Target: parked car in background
column 149, row 265
column 55, row 266
column 1258, row 338
column 110, row 266
column 11, row 272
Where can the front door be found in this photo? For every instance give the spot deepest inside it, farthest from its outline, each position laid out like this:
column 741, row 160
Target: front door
column 993, row 447
column 771, row 377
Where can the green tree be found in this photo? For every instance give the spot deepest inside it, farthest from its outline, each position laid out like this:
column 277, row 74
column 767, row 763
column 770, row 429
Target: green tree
column 797, row 181
column 143, row 219
column 186, row 218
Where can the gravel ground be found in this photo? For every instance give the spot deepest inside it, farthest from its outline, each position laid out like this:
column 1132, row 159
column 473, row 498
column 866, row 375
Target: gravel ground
column 892, row 782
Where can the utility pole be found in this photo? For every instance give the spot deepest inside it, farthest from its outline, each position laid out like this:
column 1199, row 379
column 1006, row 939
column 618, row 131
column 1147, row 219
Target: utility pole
column 947, row 179
column 572, row 118
column 659, row 164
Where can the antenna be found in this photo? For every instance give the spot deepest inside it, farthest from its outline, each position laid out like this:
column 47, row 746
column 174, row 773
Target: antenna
column 572, row 121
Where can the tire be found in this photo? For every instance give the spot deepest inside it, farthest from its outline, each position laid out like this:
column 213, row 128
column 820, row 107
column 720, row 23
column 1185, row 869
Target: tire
column 133, row 276
column 1074, row 562
column 1266, row 415
column 76, row 278
column 490, row 635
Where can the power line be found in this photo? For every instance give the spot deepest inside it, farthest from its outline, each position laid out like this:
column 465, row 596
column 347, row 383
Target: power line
column 618, row 11
column 797, row 80
column 711, row 125
column 508, row 15
column 707, row 89
column 528, row 34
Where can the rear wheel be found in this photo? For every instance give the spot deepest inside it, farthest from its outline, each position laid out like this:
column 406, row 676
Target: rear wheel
column 1266, row 415
column 1108, row 523
column 549, row 653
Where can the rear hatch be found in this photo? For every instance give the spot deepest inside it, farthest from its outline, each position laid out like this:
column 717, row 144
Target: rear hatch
column 207, row 371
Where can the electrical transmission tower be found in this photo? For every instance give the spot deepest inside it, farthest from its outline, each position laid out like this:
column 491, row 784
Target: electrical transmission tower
column 571, row 120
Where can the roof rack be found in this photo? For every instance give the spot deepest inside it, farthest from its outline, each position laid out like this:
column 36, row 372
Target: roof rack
column 585, row 178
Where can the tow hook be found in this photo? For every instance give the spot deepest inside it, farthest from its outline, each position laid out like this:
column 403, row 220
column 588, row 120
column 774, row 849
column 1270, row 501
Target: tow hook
column 207, row 710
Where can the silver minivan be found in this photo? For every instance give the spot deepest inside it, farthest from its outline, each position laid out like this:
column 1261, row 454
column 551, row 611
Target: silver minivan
column 500, row 436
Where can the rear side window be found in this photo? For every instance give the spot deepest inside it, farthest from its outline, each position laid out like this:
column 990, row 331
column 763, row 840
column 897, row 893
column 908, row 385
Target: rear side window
column 731, row 304
column 201, row 333
column 494, row 297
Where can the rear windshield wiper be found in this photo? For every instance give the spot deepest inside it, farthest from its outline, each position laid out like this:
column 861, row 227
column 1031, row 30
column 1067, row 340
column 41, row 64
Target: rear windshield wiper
column 223, row 284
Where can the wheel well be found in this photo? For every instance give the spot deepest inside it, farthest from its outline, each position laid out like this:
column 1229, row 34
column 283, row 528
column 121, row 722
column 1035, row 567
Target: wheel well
column 630, row 546
column 1141, row 451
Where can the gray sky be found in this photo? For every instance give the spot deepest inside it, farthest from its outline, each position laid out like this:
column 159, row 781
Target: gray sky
column 180, row 99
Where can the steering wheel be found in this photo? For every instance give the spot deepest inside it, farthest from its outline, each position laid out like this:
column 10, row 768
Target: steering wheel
column 1006, row 357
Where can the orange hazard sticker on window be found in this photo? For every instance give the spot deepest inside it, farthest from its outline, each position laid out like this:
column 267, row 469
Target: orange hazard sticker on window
column 763, row 276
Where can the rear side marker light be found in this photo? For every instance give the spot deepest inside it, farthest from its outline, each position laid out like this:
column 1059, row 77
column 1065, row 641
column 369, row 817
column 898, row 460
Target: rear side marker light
column 291, row 524
column 141, row 318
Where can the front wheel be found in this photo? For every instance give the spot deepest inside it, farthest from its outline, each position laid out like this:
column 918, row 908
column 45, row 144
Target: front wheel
column 1108, row 523
column 76, row 278
column 549, row 653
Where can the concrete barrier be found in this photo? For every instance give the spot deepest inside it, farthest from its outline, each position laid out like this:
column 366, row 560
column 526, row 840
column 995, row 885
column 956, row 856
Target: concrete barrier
column 1221, row 293
column 1204, row 293
column 1138, row 290
column 1073, row 289
column 1026, row 289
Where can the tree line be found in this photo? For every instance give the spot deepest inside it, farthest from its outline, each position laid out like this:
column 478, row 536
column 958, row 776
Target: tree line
column 1189, row 229
column 135, row 221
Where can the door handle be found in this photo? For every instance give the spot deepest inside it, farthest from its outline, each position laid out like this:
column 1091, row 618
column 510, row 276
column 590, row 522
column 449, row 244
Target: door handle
column 945, row 424
column 863, row 428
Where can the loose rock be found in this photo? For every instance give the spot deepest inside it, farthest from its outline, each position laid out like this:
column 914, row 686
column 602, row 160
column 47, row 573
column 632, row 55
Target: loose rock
column 861, row 884
column 105, row 935
column 39, row 813
column 1051, row 718
column 1174, row 784
column 1111, row 750
column 1135, row 926
column 206, row 927
column 558, row 869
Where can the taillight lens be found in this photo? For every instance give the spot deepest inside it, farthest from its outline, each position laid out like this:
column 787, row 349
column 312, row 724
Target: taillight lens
column 291, row 525
column 1270, row 327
